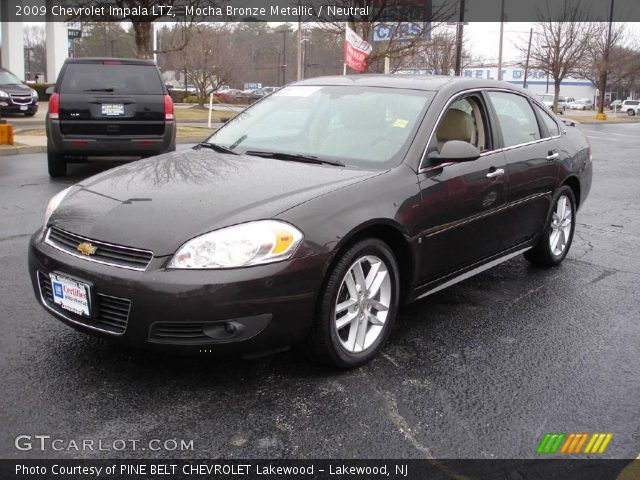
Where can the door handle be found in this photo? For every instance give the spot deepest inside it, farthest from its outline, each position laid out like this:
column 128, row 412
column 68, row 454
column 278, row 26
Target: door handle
column 553, row 156
column 498, row 172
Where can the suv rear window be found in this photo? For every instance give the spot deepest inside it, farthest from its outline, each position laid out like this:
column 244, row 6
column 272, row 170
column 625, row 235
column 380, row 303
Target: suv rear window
column 110, row 78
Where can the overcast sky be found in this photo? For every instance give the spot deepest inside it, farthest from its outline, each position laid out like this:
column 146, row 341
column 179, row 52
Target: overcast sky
column 482, row 38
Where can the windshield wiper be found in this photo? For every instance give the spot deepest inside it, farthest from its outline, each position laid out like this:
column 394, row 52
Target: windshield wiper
column 216, row 147
column 99, row 90
column 294, row 157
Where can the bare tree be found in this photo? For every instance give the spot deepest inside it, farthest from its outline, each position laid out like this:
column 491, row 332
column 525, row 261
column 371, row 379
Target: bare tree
column 561, row 47
column 141, row 14
column 209, row 60
column 35, row 52
column 607, row 59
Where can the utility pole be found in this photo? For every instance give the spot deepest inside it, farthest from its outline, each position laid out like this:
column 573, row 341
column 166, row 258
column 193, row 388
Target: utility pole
column 459, row 35
column 501, row 37
column 603, row 75
column 299, row 73
column 526, row 65
column 284, row 57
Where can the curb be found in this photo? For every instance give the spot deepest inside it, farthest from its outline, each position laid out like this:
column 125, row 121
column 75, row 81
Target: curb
column 20, row 150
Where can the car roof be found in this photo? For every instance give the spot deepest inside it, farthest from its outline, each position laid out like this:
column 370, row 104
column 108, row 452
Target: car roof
column 126, row 61
column 413, row 82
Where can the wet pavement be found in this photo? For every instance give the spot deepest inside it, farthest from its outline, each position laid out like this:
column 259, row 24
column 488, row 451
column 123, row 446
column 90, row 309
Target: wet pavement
column 480, row 370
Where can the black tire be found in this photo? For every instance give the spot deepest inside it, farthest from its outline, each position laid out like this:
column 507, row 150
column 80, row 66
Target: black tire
column 325, row 345
column 57, row 165
column 542, row 253
column 631, row 112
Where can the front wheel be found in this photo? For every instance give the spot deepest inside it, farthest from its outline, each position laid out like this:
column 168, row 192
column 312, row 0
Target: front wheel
column 558, row 232
column 631, row 112
column 357, row 306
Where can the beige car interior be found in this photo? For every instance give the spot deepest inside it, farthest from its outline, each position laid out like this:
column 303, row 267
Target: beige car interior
column 462, row 121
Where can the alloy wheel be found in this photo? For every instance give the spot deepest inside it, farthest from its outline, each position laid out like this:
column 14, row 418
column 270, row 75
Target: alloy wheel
column 560, row 232
column 362, row 304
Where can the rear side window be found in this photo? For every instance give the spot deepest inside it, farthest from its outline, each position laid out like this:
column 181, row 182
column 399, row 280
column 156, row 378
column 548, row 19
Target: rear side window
column 516, row 118
column 550, row 123
column 116, row 79
column 631, row 102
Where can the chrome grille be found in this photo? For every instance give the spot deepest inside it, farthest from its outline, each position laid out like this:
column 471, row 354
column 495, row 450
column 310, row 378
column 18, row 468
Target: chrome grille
column 112, row 312
column 21, row 99
column 106, row 253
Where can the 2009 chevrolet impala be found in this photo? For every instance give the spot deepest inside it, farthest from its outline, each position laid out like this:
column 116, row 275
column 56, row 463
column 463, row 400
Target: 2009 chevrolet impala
column 312, row 216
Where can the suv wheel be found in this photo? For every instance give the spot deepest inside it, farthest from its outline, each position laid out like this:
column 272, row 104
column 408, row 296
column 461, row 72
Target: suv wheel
column 357, row 306
column 57, row 165
column 631, row 112
column 558, row 232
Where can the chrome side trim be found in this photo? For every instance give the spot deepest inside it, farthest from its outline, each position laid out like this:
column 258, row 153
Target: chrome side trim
column 90, row 259
column 443, row 228
column 474, row 272
column 57, row 313
column 422, row 169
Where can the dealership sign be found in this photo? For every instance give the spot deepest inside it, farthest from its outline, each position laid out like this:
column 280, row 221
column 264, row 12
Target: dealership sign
column 401, row 31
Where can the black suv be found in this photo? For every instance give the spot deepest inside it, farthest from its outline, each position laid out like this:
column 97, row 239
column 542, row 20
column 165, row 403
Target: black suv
column 108, row 107
column 15, row 96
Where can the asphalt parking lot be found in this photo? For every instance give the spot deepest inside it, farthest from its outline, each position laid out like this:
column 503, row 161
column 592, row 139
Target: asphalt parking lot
column 481, row 370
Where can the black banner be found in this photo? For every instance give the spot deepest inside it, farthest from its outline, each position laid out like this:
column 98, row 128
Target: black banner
column 431, row 11
column 547, row 469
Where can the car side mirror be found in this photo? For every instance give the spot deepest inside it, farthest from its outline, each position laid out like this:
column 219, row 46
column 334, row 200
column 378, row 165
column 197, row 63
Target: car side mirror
column 456, row 151
column 49, row 90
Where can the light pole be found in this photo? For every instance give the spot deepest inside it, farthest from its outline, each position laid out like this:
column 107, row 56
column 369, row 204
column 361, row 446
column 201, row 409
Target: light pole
column 501, row 39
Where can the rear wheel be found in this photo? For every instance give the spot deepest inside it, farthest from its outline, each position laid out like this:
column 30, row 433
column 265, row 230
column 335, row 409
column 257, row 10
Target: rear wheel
column 558, row 232
column 357, row 306
column 57, row 165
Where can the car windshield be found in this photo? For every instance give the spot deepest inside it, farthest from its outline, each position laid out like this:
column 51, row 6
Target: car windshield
column 368, row 127
column 8, row 78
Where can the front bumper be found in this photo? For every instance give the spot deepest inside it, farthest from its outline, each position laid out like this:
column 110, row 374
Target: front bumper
column 241, row 310
column 7, row 106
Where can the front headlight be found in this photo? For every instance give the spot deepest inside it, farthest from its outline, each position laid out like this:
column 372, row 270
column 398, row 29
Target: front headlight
column 54, row 203
column 34, row 94
column 253, row 243
column 3, row 94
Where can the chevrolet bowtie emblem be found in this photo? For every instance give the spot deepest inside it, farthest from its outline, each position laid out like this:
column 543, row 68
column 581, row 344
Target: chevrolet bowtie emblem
column 86, row 248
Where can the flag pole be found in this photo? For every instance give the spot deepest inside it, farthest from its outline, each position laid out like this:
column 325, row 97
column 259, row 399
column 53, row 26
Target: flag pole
column 344, row 65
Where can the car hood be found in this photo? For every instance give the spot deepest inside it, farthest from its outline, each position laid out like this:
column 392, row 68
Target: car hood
column 159, row 203
column 16, row 89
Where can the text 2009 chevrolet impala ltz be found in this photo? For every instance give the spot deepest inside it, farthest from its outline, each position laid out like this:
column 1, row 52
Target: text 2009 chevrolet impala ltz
column 312, row 216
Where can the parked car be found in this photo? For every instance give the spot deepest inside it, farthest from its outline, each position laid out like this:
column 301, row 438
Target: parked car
column 631, row 107
column 313, row 216
column 615, row 105
column 269, row 90
column 108, row 107
column 581, row 104
column 15, row 96
column 229, row 95
column 547, row 99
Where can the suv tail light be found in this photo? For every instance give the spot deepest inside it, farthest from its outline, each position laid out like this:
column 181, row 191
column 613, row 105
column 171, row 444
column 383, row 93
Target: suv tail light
column 168, row 108
column 54, row 106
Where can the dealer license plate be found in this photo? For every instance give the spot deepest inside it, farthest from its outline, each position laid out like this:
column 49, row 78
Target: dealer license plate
column 113, row 109
column 70, row 294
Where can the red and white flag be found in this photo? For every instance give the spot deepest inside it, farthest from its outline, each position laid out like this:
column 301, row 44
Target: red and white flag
column 356, row 51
